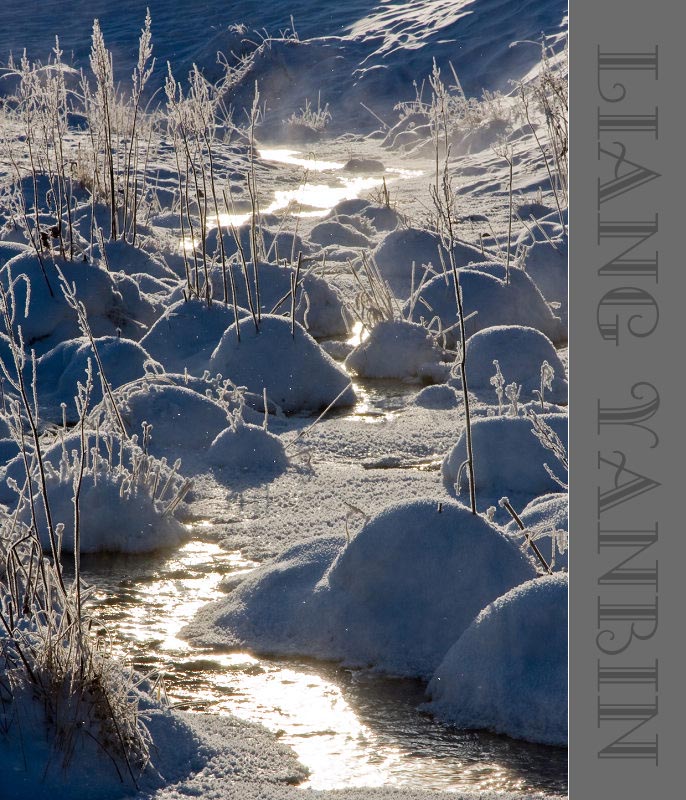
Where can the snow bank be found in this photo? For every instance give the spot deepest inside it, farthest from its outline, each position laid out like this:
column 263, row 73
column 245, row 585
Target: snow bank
column 508, row 460
column 508, row 671
column 59, row 371
column 520, row 352
column 398, row 349
column 396, row 597
column 297, row 374
column 518, row 302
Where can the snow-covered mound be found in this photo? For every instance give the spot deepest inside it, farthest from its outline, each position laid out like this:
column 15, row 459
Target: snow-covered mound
column 121, row 256
column 396, row 597
column 546, row 521
column 180, row 422
column 338, row 233
column 508, row 671
column 441, row 397
column 545, row 249
column 520, row 352
column 59, row 371
column 297, row 374
column 50, row 319
column 319, row 307
column 508, row 460
column 484, row 290
column 404, row 247
column 398, row 349
column 248, row 450
column 126, row 499
column 185, row 336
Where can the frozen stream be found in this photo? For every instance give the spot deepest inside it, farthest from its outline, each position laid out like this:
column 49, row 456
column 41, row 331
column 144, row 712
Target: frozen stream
column 350, row 727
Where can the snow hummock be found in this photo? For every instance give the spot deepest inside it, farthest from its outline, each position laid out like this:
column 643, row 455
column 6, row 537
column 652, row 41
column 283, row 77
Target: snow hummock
column 190, row 755
column 520, row 352
column 126, row 498
column 404, row 247
column 180, row 422
column 497, row 302
column 248, row 449
column 508, row 671
column 545, row 249
column 50, row 319
column 185, row 336
column 398, row 349
column 508, row 460
column 59, row 370
column 546, row 521
column 395, row 597
column 297, row 374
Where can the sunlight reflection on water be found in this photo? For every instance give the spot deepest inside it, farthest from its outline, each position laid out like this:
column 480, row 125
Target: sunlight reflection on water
column 349, row 727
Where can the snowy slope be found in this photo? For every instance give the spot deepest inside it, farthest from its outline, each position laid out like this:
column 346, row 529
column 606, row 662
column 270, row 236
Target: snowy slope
column 384, row 46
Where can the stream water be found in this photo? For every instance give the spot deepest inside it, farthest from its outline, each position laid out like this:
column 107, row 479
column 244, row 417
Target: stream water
column 349, row 727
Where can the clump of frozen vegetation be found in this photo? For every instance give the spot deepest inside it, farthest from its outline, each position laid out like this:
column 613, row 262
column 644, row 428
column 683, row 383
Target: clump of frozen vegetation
column 127, row 498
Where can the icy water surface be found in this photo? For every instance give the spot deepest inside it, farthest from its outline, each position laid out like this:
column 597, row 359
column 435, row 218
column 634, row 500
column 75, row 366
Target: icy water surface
column 350, row 727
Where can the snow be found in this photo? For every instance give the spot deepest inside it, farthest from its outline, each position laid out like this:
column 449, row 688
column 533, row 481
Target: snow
column 246, row 448
column 398, row 349
column 125, row 499
column 545, row 259
column 396, row 597
column 191, row 754
column 397, row 589
column 59, row 370
column 520, row 352
column 508, row 460
column 185, row 336
column 438, row 397
column 497, row 302
column 297, row 374
column 50, row 319
column 184, row 422
column 319, row 306
column 546, row 520
column 508, row 671
column 404, row 247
